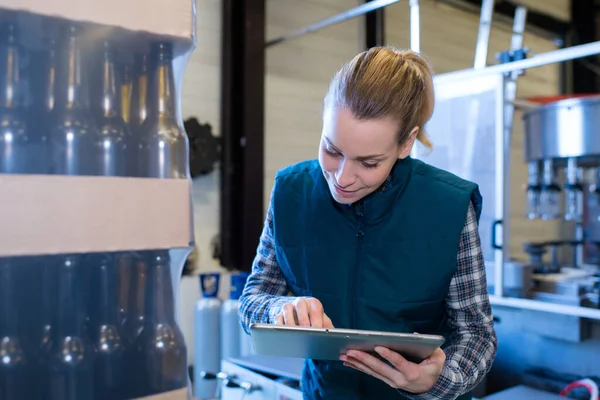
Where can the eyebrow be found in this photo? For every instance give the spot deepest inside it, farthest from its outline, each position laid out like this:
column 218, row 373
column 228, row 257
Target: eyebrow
column 359, row 158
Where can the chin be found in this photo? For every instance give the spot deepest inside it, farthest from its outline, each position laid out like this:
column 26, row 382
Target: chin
column 342, row 200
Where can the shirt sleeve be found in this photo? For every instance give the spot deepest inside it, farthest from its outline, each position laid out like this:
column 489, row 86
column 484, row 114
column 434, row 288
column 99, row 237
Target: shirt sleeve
column 266, row 289
column 472, row 345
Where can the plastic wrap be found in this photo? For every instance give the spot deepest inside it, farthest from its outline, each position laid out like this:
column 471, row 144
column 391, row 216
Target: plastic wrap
column 95, row 203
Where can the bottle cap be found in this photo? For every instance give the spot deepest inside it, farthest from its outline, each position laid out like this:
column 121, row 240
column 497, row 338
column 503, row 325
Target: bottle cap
column 209, row 285
column 238, row 281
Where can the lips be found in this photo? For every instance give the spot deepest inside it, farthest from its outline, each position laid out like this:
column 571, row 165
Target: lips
column 342, row 192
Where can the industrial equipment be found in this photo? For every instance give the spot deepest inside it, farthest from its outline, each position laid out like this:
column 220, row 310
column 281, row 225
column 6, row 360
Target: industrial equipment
column 562, row 150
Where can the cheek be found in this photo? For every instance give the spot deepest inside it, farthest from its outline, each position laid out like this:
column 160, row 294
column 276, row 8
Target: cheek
column 374, row 178
column 327, row 162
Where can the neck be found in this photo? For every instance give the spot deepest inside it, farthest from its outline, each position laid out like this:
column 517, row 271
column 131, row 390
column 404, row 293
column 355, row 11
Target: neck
column 163, row 85
column 161, row 304
column 74, row 83
column 139, row 104
column 126, row 88
column 51, row 77
column 111, row 106
column 8, row 295
column 70, row 316
column 105, row 299
column 139, row 288
column 11, row 79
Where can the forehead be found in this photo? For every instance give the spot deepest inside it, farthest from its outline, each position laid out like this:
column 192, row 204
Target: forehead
column 359, row 137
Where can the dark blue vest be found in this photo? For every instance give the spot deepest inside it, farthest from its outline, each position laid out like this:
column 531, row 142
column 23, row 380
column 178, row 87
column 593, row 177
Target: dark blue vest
column 384, row 263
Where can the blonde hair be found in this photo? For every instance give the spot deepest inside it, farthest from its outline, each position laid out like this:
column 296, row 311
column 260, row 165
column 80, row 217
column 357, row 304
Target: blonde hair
column 385, row 82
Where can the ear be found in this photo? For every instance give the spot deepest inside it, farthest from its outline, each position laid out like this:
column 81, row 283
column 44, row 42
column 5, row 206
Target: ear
column 406, row 148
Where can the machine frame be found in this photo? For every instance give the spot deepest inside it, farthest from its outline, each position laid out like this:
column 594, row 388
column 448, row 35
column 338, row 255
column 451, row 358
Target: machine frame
column 505, row 75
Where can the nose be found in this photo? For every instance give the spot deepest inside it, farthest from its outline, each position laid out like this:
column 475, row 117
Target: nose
column 344, row 176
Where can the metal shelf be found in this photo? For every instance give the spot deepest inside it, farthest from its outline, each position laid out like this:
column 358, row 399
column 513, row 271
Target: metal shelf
column 536, row 305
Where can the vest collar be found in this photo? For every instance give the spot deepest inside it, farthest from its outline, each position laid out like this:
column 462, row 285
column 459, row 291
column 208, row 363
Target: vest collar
column 376, row 206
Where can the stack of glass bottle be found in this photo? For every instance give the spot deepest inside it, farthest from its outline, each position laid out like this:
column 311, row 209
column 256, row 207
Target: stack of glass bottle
column 89, row 326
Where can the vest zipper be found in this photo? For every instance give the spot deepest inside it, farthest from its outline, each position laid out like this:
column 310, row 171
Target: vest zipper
column 360, row 212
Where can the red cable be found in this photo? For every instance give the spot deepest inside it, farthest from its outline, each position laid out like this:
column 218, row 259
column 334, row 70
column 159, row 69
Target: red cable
column 573, row 385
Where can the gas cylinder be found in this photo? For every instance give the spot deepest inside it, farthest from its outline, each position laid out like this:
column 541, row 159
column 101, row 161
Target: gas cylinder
column 207, row 346
column 230, row 324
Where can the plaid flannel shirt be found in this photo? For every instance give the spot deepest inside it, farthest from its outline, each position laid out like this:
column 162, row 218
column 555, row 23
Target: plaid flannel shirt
column 472, row 346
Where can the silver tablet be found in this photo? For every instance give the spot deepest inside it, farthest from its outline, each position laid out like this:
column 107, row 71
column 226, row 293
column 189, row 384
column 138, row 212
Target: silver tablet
column 329, row 344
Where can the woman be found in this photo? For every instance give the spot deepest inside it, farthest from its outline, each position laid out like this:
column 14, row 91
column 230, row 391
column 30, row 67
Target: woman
column 366, row 237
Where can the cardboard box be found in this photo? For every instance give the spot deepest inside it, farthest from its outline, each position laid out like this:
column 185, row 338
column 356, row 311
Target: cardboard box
column 174, row 18
column 53, row 214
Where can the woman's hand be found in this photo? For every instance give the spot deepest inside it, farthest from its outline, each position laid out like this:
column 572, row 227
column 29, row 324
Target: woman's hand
column 304, row 311
column 401, row 374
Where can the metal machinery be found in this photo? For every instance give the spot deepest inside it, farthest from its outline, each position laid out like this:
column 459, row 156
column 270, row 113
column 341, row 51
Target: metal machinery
column 562, row 150
column 562, row 154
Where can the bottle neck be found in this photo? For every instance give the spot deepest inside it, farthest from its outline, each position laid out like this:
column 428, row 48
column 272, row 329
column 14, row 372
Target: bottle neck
column 164, row 105
column 139, row 101
column 9, row 319
column 126, row 89
column 105, row 299
column 138, row 287
column 74, row 84
column 142, row 94
column 166, row 88
column 111, row 105
column 11, row 80
column 51, row 78
column 161, row 301
column 70, row 306
column 123, row 274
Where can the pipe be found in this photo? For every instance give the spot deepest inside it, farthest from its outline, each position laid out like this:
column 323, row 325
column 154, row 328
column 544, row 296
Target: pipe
column 415, row 26
column 333, row 20
column 483, row 37
column 549, row 57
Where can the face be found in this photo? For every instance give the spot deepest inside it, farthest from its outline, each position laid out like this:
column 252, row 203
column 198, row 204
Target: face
column 356, row 156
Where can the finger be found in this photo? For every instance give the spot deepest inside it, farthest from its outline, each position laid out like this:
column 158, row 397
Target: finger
column 438, row 357
column 279, row 319
column 316, row 313
column 327, row 322
column 356, row 364
column 302, row 312
column 376, row 365
column 289, row 314
column 410, row 371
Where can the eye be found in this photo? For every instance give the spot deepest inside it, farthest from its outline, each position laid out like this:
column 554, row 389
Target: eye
column 369, row 165
column 331, row 152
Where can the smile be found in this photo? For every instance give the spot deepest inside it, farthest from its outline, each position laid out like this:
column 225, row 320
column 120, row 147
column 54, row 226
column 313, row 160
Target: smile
column 342, row 192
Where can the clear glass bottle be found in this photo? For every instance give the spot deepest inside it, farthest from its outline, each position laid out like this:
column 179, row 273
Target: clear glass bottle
column 574, row 191
column 550, row 195
column 532, row 208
